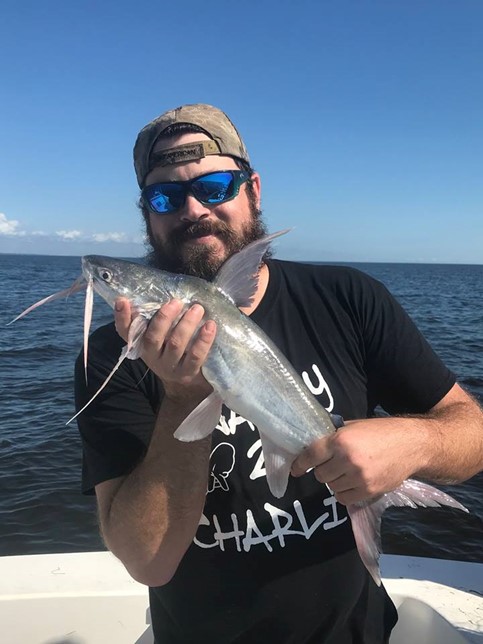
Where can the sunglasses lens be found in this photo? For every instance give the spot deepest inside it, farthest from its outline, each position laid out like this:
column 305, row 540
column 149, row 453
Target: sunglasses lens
column 214, row 188
column 164, row 197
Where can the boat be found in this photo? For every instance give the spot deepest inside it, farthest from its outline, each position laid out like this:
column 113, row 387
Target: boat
column 89, row 598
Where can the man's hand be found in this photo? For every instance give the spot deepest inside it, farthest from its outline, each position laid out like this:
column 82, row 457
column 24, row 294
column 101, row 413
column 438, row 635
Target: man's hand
column 365, row 458
column 175, row 352
column 369, row 457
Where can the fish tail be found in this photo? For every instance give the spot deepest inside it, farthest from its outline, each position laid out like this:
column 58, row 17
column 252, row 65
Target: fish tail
column 366, row 517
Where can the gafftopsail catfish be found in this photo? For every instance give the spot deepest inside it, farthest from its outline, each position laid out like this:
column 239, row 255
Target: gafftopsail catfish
column 247, row 371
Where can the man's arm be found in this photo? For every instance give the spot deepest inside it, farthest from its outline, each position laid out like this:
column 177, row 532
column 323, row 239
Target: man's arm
column 149, row 518
column 369, row 457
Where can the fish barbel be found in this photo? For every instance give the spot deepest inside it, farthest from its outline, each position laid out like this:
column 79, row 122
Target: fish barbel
column 248, row 374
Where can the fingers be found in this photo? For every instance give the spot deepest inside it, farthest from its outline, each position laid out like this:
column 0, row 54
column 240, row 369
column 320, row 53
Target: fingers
column 159, row 327
column 122, row 317
column 175, row 344
column 333, row 467
column 195, row 358
column 321, row 451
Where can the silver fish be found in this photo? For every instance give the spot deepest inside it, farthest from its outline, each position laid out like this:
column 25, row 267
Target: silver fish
column 248, row 374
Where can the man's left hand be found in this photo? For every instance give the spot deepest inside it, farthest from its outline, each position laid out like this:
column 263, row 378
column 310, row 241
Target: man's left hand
column 365, row 458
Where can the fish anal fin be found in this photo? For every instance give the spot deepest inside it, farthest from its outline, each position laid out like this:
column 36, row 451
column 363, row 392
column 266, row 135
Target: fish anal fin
column 366, row 517
column 202, row 420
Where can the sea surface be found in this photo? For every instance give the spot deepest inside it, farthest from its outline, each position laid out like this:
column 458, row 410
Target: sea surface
column 41, row 508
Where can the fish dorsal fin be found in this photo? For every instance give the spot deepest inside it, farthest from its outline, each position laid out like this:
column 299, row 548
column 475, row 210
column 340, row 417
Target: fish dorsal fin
column 238, row 277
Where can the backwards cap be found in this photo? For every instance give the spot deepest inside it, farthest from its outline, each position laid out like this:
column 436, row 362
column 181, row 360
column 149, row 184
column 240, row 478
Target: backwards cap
column 216, row 124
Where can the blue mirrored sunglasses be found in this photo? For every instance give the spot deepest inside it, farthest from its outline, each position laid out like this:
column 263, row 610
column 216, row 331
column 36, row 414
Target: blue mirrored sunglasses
column 210, row 188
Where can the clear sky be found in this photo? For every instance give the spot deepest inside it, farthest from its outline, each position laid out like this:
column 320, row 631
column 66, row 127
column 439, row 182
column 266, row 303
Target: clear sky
column 363, row 117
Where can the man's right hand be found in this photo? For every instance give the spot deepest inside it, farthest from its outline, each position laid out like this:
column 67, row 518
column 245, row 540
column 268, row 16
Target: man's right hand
column 175, row 352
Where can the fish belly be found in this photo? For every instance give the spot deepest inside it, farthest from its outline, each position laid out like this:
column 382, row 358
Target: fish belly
column 263, row 389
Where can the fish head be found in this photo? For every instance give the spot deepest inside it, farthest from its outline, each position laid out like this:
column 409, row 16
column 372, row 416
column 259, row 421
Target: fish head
column 113, row 278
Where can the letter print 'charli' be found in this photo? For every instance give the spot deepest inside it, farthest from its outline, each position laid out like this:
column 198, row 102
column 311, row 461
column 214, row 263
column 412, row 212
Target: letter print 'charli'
column 243, row 533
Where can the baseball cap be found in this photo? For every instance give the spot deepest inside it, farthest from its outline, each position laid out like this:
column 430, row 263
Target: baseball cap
column 225, row 139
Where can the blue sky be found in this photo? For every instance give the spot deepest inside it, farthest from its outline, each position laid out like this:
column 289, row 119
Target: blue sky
column 364, row 119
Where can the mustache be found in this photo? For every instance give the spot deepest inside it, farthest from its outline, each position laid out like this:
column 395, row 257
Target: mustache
column 194, row 230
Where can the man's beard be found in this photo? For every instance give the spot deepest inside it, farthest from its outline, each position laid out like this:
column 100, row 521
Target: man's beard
column 197, row 259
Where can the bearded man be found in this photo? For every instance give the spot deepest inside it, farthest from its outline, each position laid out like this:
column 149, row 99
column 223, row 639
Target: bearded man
column 225, row 561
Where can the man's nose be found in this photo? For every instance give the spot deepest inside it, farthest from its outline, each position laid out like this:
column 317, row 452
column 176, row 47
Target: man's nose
column 193, row 210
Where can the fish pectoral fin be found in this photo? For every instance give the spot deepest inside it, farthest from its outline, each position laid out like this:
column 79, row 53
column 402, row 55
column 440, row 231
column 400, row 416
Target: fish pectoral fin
column 135, row 335
column 277, row 465
column 202, row 420
column 366, row 517
column 238, row 277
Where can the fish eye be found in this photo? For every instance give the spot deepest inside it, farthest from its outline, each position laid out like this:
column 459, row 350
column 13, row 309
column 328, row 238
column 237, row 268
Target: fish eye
column 105, row 274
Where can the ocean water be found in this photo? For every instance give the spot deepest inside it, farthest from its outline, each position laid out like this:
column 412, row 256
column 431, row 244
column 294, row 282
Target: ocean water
column 41, row 508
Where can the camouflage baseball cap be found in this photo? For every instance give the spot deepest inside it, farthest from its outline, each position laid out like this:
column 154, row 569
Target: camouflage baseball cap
column 216, row 124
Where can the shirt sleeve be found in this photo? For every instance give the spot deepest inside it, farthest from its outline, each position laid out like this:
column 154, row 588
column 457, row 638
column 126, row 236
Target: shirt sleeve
column 117, row 426
column 404, row 373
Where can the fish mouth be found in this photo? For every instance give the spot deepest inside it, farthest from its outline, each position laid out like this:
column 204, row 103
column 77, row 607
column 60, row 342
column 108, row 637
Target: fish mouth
column 88, row 267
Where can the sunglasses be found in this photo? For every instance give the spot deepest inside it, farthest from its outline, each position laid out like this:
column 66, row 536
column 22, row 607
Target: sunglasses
column 210, row 188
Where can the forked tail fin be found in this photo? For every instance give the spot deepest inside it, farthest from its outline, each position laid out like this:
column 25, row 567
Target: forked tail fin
column 366, row 517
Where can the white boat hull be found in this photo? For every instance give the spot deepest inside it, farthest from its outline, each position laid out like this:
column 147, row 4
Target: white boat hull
column 88, row 598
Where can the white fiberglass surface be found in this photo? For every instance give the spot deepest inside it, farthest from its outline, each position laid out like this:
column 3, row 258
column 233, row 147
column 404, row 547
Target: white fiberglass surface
column 421, row 624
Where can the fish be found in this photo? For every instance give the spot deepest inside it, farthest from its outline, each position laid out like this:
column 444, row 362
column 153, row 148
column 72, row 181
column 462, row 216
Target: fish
column 248, row 373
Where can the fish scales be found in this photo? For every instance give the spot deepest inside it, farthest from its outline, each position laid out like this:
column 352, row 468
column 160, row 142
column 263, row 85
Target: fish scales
column 244, row 364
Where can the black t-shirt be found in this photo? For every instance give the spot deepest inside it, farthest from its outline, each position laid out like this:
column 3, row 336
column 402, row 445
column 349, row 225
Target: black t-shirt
column 262, row 569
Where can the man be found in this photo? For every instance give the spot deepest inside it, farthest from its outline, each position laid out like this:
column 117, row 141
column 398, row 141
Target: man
column 226, row 561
